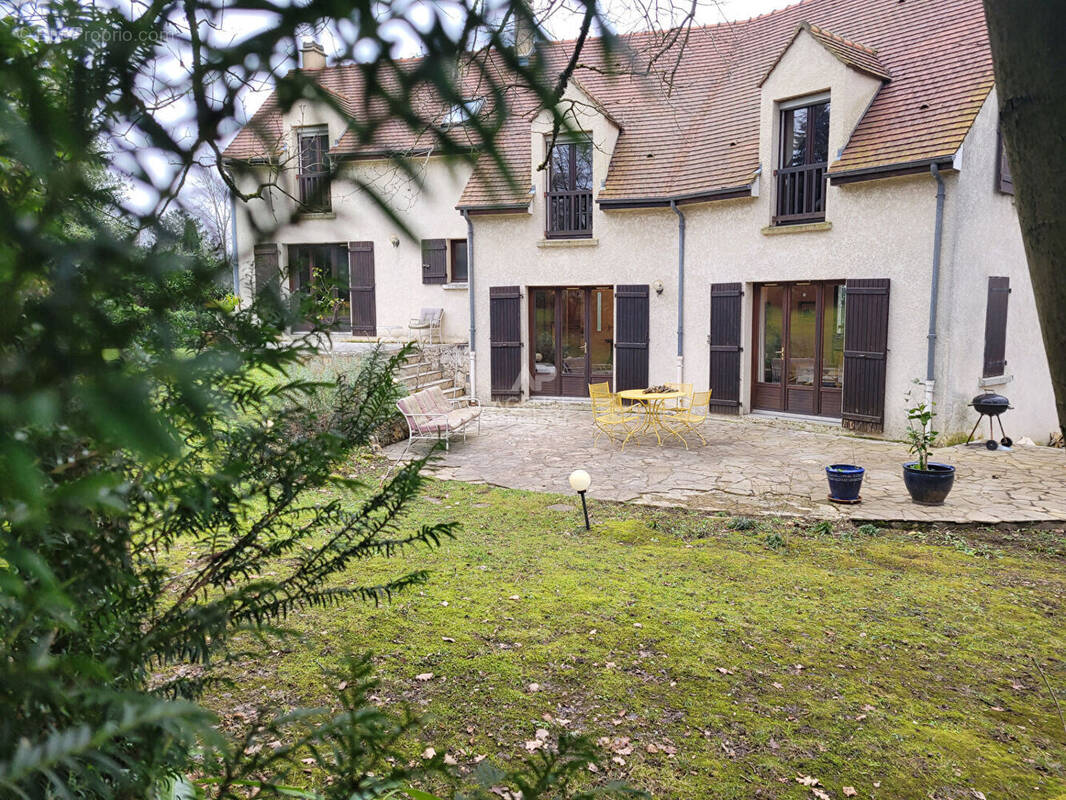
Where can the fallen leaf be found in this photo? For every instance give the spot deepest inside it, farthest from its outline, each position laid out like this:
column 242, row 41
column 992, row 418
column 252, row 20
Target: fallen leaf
column 651, row 748
column 425, row 676
column 516, row 597
column 449, row 759
column 534, row 744
column 593, row 767
column 860, row 718
column 849, row 791
column 429, row 752
column 533, row 687
column 725, row 671
column 637, row 625
column 447, row 639
column 777, row 685
column 541, row 734
column 619, row 761
column 342, row 686
column 807, row 780
column 308, row 761
column 977, row 794
column 820, row 794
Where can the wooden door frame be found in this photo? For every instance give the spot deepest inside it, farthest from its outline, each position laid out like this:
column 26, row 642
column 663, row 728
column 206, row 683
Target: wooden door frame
column 560, row 295
column 786, row 331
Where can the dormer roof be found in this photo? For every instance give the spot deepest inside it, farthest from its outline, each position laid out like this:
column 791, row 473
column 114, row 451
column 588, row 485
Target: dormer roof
column 690, row 116
column 856, row 56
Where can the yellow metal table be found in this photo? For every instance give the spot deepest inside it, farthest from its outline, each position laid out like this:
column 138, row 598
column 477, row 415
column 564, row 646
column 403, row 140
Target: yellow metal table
column 655, row 414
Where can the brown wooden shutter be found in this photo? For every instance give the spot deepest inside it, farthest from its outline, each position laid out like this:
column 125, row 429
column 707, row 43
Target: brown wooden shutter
column 725, row 348
column 996, row 327
column 267, row 272
column 434, row 261
column 865, row 354
column 505, row 337
column 1004, row 180
column 361, row 277
column 631, row 337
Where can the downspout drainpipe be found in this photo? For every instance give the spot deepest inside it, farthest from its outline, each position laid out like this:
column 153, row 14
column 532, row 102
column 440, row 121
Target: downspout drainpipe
column 472, row 389
column 934, row 289
column 680, row 291
column 233, row 236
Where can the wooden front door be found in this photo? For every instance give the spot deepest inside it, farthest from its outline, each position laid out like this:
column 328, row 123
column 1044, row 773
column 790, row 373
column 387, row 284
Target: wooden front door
column 572, row 335
column 799, row 347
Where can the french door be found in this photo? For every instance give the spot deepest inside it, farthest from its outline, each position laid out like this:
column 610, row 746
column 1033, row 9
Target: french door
column 572, row 339
column 798, row 363
column 322, row 266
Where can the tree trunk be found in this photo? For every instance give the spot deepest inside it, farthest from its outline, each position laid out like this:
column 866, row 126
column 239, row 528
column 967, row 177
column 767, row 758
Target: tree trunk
column 1029, row 55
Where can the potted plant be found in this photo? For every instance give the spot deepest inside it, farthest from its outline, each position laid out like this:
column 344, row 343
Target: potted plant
column 845, row 481
column 927, row 481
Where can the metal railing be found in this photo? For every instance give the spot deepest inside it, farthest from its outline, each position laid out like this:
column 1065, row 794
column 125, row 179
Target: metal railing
column 800, row 194
column 315, row 192
column 569, row 214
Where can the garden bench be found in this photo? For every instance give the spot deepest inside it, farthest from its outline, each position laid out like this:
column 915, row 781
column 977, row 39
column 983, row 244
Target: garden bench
column 431, row 415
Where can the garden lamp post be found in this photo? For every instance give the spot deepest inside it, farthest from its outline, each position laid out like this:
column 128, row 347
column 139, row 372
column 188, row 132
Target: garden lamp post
column 579, row 482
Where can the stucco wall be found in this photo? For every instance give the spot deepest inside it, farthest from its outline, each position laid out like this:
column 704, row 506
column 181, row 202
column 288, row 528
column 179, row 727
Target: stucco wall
column 426, row 206
column 983, row 239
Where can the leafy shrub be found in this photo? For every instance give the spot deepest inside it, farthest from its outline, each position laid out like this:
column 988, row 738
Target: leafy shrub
column 742, row 524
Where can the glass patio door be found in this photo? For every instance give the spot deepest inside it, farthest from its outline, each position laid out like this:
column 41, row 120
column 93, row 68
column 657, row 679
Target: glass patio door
column 572, row 331
column 799, row 353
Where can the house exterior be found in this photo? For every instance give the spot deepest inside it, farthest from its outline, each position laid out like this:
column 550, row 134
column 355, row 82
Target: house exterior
column 810, row 213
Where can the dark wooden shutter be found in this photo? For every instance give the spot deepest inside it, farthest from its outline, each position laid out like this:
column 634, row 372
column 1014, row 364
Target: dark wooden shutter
column 1004, row 180
column 267, row 273
column 361, row 277
column 865, row 354
column 725, row 348
column 505, row 337
column 631, row 337
column 996, row 327
column 434, row 261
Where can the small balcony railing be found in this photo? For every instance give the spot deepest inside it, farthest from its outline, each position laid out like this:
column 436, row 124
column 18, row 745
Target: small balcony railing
column 315, row 192
column 569, row 214
column 800, row 194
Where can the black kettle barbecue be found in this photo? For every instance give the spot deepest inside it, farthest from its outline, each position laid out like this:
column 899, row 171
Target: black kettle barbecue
column 991, row 405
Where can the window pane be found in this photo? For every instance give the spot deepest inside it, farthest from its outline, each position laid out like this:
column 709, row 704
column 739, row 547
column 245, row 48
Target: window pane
column 796, row 133
column 772, row 341
column 459, row 270
column 560, row 167
column 601, row 333
column 583, row 166
column 543, row 337
column 833, row 337
column 820, row 123
column 802, row 329
column 574, row 332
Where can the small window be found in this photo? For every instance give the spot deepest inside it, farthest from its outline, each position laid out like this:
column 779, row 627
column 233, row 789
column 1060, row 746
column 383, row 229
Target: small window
column 462, row 113
column 802, row 161
column 458, row 258
column 314, row 175
column 995, row 363
column 1004, row 181
column 569, row 195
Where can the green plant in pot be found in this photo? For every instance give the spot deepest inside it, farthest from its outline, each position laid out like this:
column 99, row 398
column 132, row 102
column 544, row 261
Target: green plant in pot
column 927, row 481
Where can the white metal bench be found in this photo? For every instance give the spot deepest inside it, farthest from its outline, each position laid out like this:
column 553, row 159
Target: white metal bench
column 431, row 415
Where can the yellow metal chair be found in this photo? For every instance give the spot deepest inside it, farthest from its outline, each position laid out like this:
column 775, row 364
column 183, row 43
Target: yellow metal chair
column 608, row 416
column 695, row 414
column 682, row 402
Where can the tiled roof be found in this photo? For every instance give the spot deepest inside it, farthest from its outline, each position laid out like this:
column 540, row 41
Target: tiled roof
column 691, row 122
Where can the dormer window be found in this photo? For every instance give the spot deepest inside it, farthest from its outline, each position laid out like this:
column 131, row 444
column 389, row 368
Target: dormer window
column 569, row 195
column 462, row 113
column 802, row 161
column 314, row 178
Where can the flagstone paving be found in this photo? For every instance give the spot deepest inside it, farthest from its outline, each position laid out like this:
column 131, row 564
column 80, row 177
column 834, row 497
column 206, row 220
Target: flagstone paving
column 750, row 465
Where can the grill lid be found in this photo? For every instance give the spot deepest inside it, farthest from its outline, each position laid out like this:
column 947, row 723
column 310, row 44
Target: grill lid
column 989, row 402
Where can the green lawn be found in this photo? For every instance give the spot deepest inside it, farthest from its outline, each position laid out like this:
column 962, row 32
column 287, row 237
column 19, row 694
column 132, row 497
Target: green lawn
column 719, row 662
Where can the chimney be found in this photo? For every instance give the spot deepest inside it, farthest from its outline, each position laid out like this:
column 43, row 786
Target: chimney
column 312, row 56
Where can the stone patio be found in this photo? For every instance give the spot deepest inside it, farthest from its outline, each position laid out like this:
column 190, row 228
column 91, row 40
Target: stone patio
column 750, row 465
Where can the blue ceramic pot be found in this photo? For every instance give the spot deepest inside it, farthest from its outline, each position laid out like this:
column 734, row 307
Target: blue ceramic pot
column 930, row 486
column 845, row 481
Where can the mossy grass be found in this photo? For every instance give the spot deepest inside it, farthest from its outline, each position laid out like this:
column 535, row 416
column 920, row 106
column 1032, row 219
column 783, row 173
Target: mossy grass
column 898, row 663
